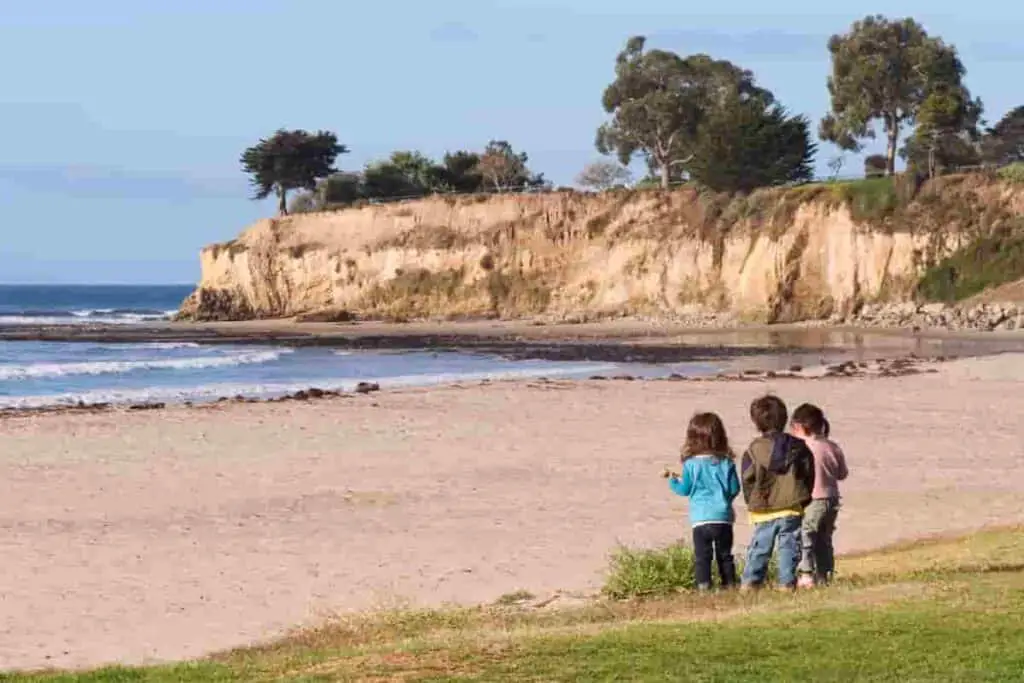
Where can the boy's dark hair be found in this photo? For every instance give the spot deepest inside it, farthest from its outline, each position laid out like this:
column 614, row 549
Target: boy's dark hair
column 812, row 419
column 769, row 414
column 706, row 435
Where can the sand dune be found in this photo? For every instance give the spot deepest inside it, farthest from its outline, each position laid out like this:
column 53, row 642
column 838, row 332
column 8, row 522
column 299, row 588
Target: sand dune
column 134, row 537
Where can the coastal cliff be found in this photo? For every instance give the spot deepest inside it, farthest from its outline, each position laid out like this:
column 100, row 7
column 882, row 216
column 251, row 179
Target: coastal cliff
column 776, row 255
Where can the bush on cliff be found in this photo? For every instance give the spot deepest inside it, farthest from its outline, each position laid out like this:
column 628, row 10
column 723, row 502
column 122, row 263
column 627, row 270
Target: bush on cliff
column 986, row 262
column 1013, row 173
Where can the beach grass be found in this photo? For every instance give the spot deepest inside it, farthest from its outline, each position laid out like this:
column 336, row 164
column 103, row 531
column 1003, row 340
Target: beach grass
column 945, row 609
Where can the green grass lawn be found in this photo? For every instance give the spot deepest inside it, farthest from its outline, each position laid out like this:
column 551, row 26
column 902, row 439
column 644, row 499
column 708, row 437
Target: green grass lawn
column 944, row 610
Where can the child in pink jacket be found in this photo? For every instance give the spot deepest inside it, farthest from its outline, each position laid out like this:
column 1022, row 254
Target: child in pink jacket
column 817, row 561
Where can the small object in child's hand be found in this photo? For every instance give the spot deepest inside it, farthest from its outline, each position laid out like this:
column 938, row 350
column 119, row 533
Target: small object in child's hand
column 667, row 474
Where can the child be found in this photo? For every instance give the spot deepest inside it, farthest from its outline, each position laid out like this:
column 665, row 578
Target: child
column 818, row 560
column 709, row 480
column 778, row 477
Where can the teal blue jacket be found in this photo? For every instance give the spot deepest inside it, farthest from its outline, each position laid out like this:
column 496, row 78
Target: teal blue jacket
column 711, row 484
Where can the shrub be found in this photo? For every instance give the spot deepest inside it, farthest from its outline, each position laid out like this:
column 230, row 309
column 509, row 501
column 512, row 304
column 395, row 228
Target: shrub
column 642, row 573
column 1013, row 173
column 646, row 573
column 874, row 166
column 986, row 262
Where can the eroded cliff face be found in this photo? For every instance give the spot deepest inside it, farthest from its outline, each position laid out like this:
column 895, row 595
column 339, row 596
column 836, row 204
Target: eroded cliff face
column 776, row 255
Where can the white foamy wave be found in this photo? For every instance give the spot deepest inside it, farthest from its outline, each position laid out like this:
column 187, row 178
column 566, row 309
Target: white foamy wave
column 40, row 370
column 165, row 346
column 88, row 317
column 211, row 392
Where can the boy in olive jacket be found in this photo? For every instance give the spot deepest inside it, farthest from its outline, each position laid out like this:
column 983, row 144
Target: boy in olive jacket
column 777, row 474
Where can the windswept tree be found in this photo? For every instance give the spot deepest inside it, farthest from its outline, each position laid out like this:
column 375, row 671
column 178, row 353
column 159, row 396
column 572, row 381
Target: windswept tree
column 290, row 160
column 503, row 168
column 883, row 71
column 746, row 145
column 659, row 100
column 602, row 175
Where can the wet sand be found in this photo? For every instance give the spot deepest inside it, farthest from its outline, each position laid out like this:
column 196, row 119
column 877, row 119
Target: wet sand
column 143, row 536
column 608, row 341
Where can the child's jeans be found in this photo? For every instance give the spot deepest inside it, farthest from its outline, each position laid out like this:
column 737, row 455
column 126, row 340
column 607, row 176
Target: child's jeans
column 819, row 524
column 787, row 531
column 713, row 540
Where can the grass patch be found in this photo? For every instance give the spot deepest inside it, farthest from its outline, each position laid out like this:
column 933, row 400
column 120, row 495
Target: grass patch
column 939, row 609
column 869, row 199
column 985, row 262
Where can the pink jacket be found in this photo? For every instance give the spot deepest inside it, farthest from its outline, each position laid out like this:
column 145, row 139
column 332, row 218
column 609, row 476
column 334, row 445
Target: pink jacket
column 829, row 467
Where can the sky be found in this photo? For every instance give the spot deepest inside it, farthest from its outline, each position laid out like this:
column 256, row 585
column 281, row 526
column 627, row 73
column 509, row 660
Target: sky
column 121, row 122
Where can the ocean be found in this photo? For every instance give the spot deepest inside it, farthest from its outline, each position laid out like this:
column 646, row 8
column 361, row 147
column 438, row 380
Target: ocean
column 38, row 374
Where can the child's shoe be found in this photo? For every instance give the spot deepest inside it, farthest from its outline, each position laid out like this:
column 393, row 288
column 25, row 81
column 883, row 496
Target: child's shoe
column 805, row 581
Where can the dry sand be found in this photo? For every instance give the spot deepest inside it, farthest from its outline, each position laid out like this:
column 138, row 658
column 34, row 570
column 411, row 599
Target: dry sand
column 135, row 537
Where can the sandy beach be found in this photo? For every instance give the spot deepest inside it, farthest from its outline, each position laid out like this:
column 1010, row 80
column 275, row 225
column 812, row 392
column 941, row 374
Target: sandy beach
column 156, row 535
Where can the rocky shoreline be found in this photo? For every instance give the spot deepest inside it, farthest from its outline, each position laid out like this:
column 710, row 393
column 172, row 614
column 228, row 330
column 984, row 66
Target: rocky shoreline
column 988, row 317
column 879, row 368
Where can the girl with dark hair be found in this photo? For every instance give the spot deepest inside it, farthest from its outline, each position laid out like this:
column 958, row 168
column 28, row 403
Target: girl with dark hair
column 709, row 480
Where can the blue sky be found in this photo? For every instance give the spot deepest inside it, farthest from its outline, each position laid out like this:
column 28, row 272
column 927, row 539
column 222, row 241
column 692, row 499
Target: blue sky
column 122, row 121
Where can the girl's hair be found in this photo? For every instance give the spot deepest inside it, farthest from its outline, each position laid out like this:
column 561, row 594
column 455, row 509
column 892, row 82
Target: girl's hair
column 706, row 435
column 812, row 419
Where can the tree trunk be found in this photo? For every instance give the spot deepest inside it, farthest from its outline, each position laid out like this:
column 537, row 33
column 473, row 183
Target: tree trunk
column 282, row 201
column 890, row 152
column 666, row 175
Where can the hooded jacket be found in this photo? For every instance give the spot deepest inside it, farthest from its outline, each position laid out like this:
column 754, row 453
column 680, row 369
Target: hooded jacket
column 777, row 473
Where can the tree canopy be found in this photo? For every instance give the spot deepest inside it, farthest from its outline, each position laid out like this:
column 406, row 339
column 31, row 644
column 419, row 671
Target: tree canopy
column 290, row 160
column 946, row 134
column 659, row 100
column 885, row 71
column 746, row 145
column 701, row 118
column 1003, row 143
column 502, row 168
column 603, row 175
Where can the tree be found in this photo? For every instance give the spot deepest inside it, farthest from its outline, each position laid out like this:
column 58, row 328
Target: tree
column 403, row 174
column 461, row 172
column 503, row 169
column 835, row 166
column 874, row 166
column 290, row 160
column 659, row 100
column 884, row 70
column 602, row 175
column 946, row 134
column 1003, row 143
column 745, row 145
column 340, row 189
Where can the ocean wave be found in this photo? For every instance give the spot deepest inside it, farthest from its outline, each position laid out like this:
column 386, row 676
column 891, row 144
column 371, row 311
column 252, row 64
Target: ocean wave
column 211, row 392
column 103, row 316
column 42, row 370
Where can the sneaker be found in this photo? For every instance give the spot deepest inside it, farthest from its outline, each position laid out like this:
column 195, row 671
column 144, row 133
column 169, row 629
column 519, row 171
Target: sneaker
column 805, row 581
column 703, row 587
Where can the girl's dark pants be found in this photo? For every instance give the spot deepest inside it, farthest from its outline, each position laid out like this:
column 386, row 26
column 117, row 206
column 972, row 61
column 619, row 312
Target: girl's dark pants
column 713, row 541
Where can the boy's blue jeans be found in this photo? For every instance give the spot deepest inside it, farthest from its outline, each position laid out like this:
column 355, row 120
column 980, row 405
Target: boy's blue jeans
column 785, row 530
